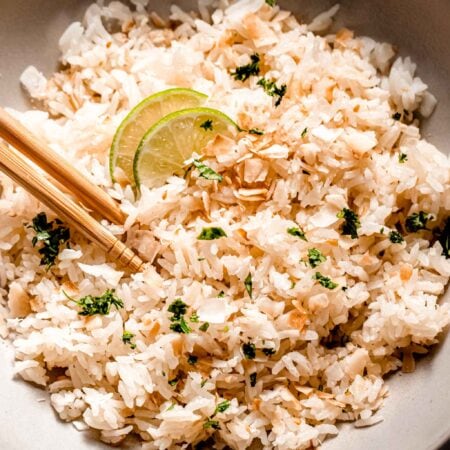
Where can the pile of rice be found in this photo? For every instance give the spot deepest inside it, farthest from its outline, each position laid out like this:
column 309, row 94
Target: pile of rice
column 331, row 347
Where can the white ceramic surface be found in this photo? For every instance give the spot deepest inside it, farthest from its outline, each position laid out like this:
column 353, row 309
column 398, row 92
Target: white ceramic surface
column 417, row 413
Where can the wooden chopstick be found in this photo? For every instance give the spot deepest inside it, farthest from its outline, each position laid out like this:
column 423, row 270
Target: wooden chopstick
column 13, row 132
column 13, row 164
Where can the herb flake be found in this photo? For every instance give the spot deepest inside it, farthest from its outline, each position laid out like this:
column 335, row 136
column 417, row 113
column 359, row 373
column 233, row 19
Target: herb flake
column 222, row 407
column 248, row 283
column 207, row 125
column 51, row 235
column 181, row 326
column 304, row 132
column 214, row 424
column 243, row 73
column 178, row 308
column 351, row 223
column 204, row 327
column 325, row 281
column 256, row 131
column 211, row 233
column 395, row 237
column 315, row 257
column 297, row 232
column 271, row 2
column 249, row 350
column 269, row 351
column 192, row 360
column 444, row 238
column 273, row 90
column 206, row 172
column 402, row 157
column 417, row 221
column 127, row 336
column 91, row 305
column 253, row 379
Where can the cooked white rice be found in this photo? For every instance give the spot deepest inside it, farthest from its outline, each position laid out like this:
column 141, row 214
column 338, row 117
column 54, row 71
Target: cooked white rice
column 344, row 90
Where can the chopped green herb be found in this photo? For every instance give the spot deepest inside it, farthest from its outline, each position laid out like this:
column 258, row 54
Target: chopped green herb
column 181, row 326
column 202, row 384
column 171, row 407
column 315, row 257
column 193, row 318
column 297, row 232
column 344, row 288
column 417, row 221
column 92, row 305
column 206, row 172
column 256, row 131
column 174, row 381
column 222, row 407
column 444, row 238
column 395, row 237
column 243, row 73
column 209, row 234
column 52, row 235
column 402, row 157
column 382, row 230
column 253, row 379
column 221, row 294
column 351, row 223
column 226, row 329
column 304, row 132
column 397, row 116
column 204, row 327
column 192, row 360
column 248, row 283
column 273, row 90
column 269, row 351
column 325, row 281
column 271, row 2
column 214, row 424
column 126, row 339
column 200, row 259
column 207, row 125
column 249, row 350
column 178, row 308
column 293, row 283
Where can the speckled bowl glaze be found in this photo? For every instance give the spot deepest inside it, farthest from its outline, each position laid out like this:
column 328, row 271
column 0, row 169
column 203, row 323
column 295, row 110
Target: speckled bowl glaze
column 417, row 412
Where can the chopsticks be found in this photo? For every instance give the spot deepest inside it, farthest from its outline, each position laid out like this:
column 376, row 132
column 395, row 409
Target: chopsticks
column 13, row 164
column 13, row 132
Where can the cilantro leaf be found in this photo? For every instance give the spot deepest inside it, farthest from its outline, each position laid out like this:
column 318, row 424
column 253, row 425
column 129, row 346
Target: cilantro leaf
column 402, row 157
column 204, row 327
column 207, row 172
column 351, row 223
column 207, row 125
column 243, row 73
column 221, row 294
column 209, row 234
column 178, row 308
column 271, row 2
column 315, row 257
column 417, row 221
column 304, row 132
column 181, row 326
column 214, row 424
column 249, row 350
column 126, row 339
column 325, row 281
column 91, row 305
column 395, row 237
column 52, row 235
column 222, row 407
column 269, row 351
column 297, row 232
column 273, row 90
column 192, row 360
column 248, row 283
column 256, row 131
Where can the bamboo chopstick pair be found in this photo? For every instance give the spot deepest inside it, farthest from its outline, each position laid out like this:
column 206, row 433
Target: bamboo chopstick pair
column 14, row 163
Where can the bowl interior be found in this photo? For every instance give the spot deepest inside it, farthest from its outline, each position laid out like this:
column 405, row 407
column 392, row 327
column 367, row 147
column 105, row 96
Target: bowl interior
column 417, row 410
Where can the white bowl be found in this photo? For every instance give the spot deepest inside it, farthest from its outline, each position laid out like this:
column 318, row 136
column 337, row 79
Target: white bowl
column 417, row 413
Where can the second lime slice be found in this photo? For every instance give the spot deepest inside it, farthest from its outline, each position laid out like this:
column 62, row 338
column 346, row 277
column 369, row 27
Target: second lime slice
column 141, row 118
column 174, row 139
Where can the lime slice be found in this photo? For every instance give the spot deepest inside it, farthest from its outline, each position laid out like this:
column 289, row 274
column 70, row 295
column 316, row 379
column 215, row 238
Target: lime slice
column 141, row 118
column 172, row 141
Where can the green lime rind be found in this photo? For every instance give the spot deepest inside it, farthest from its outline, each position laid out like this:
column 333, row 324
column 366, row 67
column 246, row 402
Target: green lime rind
column 171, row 141
column 141, row 118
